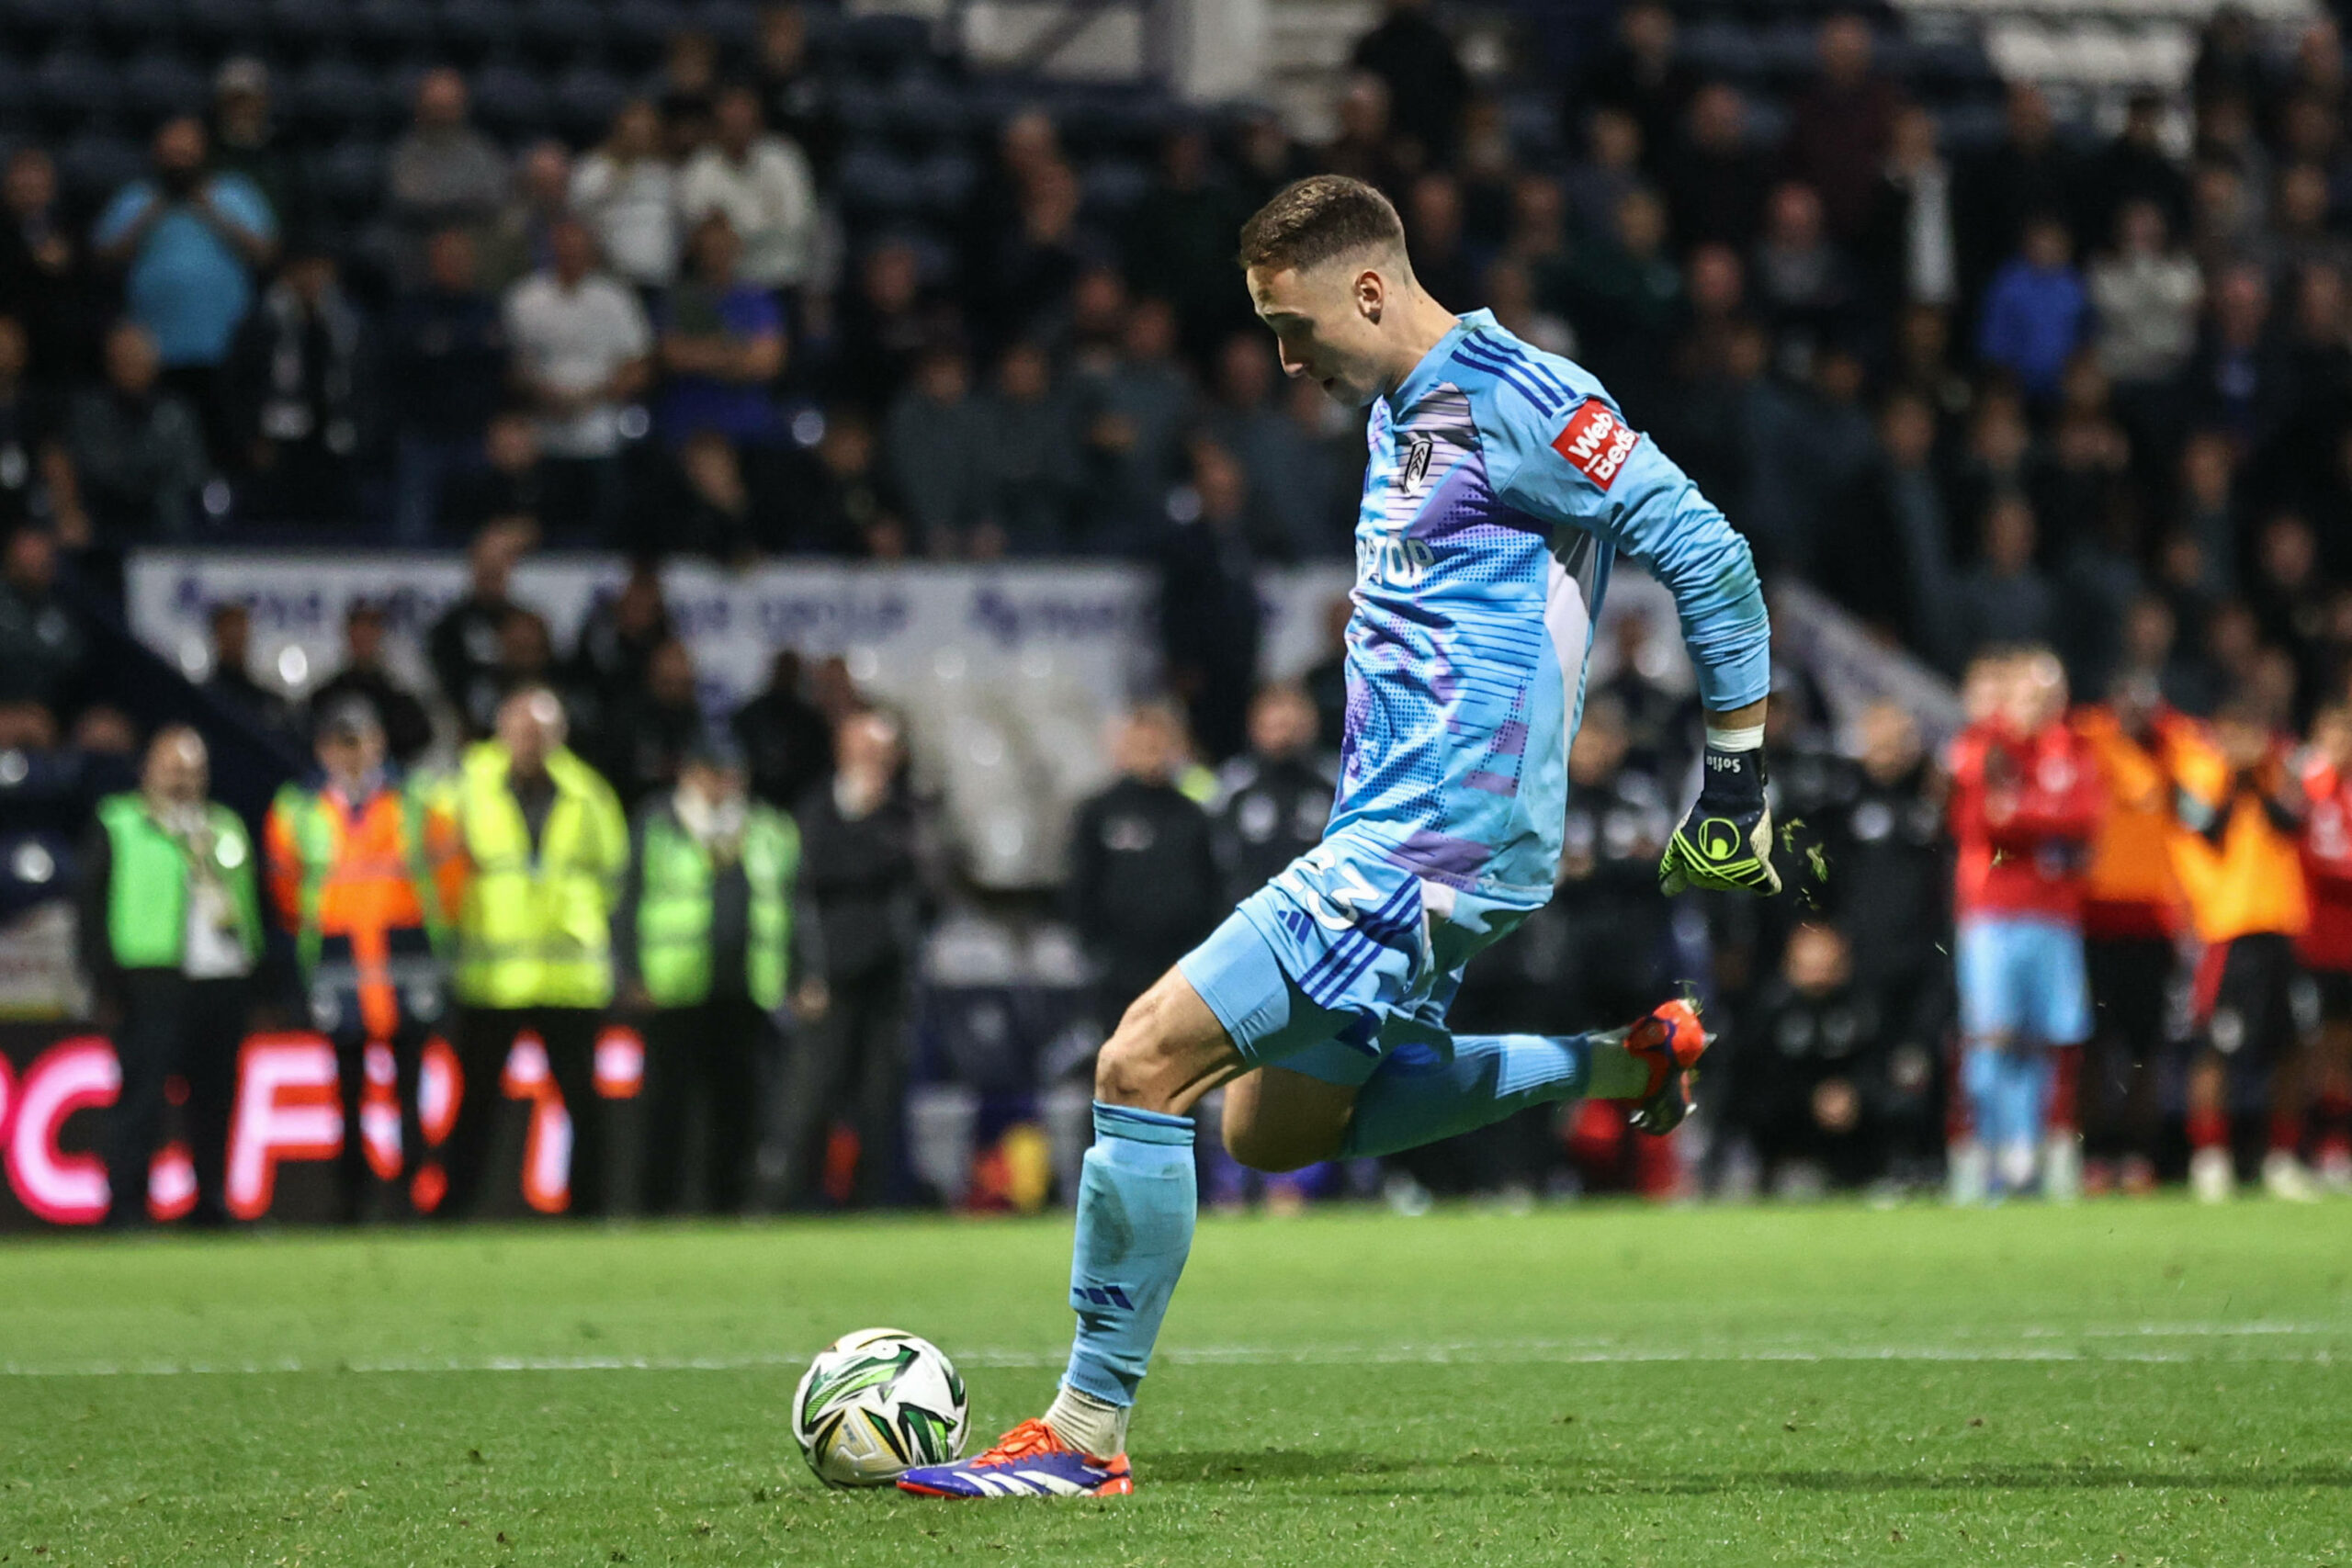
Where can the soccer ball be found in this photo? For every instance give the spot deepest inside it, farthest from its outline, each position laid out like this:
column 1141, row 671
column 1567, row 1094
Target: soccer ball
column 875, row 1403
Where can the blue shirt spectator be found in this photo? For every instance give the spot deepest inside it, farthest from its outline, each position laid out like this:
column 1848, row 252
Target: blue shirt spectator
column 722, row 343
column 2035, row 311
column 191, row 242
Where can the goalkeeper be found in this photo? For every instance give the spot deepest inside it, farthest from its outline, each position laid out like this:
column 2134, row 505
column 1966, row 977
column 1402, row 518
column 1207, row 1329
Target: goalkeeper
column 1501, row 485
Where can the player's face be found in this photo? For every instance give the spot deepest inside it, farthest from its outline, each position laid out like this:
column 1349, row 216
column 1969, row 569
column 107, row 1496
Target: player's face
column 1327, row 321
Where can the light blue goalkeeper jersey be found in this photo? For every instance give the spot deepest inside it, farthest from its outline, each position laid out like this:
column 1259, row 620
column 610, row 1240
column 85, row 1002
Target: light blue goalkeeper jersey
column 1501, row 486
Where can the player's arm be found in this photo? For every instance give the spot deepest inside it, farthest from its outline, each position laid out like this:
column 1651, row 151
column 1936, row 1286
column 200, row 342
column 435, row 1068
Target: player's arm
column 1590, row 470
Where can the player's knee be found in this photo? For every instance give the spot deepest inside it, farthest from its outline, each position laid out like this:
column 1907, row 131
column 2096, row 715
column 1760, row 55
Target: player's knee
column 1132, row 1066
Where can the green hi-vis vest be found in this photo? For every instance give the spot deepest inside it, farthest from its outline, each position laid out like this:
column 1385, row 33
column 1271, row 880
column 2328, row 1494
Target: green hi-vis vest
column 306, row 816
column 534, row 930
column 673, row 908
column 147, row 895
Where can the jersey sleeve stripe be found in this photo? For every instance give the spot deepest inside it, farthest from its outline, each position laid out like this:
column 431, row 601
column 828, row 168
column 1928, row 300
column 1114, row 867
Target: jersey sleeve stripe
column 1543, row 400
column 1512, row 355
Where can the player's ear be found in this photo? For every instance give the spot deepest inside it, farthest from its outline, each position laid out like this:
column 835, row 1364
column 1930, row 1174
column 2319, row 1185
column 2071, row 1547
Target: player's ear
column 1372, row 295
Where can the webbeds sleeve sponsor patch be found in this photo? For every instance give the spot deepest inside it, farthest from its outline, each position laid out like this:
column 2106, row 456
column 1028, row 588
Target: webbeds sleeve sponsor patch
column 1596, row 441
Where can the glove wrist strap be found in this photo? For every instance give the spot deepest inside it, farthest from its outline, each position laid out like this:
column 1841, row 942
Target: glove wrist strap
column 1746, row 737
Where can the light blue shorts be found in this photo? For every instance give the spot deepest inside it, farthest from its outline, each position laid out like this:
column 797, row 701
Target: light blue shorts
column 1341, row 959
column 2021, row 979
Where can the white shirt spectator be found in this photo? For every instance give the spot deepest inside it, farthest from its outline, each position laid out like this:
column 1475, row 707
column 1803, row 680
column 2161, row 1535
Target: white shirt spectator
column 632, row 207
column 2147, row 302
column 574, row 340
column 768, row 196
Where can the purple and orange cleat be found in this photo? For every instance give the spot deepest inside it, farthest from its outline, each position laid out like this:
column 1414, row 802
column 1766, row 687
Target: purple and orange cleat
column 1028, row 1462
column 1671, row 1039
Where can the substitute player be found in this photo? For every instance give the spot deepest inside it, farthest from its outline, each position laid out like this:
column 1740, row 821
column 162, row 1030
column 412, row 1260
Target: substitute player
column 1502, row 483
column 2025, row 803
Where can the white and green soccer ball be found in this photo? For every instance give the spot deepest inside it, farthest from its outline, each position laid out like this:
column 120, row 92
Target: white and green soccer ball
column 876, row 1403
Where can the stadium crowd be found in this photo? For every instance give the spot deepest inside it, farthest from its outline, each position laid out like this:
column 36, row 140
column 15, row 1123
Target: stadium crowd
column 2049, row 389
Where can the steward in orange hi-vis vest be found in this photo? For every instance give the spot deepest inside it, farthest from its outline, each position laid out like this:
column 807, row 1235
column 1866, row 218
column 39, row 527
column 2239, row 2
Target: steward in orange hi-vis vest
column 364, row 872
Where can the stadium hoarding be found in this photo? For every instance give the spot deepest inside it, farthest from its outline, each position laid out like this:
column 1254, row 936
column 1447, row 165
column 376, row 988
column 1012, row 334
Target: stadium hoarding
column 286, row 1128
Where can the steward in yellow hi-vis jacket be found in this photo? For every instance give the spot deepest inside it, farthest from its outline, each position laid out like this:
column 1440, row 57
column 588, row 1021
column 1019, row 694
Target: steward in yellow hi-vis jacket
column 706, row 942
column 544, row 845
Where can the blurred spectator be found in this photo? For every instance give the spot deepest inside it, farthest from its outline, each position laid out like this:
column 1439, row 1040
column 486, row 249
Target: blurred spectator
column 463, row 647
column 519, row 240
column 787, row 741
column 43, row 656
column 1715, row 182
column 862, row 869
column 1510, row 293
column 620, row 632
column 2133, row 168
column 1144, row 883
column 508, row 485
column 1272, row 801
column 299, row 392
column 704, row 942
column 2036, row 312
column 1626, row 293
column 137, row 450
column 1610, row 170
column 190, row 242
column 1209, row 640
column 1641, row 74
column 1433, row 212
column 1294, row 481
column 365, row 678
column 647, row 730
column 688, row 89
column 717, row 513
column 1908, row 244
column 581, row 350
column 2145, row 294
column 246, row 142
column 1803, row 280
column 721, row 345
column 1039, row 256
column 1427, row 85
column 2005, row 600
column 1269, row 159
column 544, row 845
column 799, row 93
column 1366, row 147
column 1030, row 464
column 2236, row 380
column 1890, row 556
column 932, row 449
column 1812, row 1068
column 169, row 926
column 1178, row 244
column 1326, row 680
column 627, row 191
column 231, row 679
column 35, row 479
column 761, row 181
column 44, row 271
column 1132, row 413
column 1841, row 124
column 2029, row 174
column 447, row 371
column 442, row 174
column 1882, row 833
column 835, row 500
column 886, row 321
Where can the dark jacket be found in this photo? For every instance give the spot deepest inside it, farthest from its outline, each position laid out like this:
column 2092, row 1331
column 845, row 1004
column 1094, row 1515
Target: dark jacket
column 1143, row 882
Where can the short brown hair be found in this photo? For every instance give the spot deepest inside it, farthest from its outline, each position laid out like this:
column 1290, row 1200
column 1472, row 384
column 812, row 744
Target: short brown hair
column 1311, row 221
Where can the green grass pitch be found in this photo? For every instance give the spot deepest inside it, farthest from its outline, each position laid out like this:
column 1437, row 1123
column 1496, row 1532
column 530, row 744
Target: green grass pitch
column 2116, row 1382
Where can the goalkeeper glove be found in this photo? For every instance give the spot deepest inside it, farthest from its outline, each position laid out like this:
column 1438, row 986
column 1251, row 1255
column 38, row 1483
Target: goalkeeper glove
column 1726, row 844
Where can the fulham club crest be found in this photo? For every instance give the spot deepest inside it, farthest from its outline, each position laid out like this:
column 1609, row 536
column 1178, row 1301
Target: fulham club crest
column 1417, row 462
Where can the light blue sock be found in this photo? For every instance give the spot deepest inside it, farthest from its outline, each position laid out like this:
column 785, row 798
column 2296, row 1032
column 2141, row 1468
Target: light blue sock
column 1418, row 1095
column 1135, row 1208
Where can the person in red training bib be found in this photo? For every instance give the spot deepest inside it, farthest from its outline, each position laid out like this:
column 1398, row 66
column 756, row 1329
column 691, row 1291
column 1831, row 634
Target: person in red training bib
column 2025, row 803
column 2326, row 946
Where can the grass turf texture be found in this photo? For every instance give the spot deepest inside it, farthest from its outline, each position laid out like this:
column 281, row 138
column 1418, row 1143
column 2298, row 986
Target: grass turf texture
column 2139, row 1383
